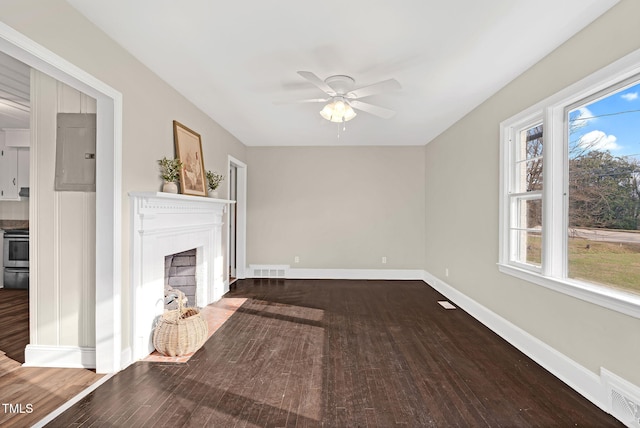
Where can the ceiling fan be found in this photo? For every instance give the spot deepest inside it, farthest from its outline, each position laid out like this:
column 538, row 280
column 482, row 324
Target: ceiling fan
column 343, row 98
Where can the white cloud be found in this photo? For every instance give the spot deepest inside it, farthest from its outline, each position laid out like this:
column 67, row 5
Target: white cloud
column 582, row 119
column 598, row 140
column 630, row 96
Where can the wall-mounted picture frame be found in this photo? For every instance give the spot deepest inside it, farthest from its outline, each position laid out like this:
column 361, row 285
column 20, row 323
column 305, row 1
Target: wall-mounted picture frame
column 189, row 151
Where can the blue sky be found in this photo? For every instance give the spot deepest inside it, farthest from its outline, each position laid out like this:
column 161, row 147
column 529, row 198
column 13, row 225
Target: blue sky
column 605, row 125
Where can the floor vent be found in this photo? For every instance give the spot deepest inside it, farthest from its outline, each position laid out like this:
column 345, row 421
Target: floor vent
column 269, row 271
column 625, row 409
column 624, row 399
column 445, row 304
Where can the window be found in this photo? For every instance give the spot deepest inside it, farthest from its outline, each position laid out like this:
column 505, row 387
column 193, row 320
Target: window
column 603, row 141
column 525, row 196
column 570, row 183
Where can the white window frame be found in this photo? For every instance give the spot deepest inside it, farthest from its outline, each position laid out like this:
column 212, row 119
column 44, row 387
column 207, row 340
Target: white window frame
column 510, row 147
column 552, row 113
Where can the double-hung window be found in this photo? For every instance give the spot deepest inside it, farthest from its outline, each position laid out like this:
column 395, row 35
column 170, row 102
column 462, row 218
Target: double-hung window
column 570, row 185
column 525, row 195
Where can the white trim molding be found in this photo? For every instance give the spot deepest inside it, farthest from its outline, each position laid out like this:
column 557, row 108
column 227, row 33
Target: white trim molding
column 617, row 300
column 382, row 274
column 241, row 214
column 60, row 356
column 286, row 272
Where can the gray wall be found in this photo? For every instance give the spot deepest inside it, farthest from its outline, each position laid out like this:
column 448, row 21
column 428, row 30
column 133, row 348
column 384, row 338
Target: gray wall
column 336, row 207
column 462, row 170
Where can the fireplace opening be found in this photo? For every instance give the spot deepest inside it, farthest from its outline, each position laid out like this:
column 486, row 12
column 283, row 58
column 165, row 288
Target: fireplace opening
column 180, row 279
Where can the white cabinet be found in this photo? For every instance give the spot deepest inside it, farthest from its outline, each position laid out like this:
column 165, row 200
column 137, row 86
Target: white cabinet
column 8, row 173
column 14, row 170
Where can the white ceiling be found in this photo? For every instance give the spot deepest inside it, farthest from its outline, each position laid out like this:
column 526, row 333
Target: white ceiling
column 15, row 80
column 236, row 60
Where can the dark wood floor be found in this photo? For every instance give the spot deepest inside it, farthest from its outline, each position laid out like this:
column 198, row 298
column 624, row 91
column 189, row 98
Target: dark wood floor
column 14, row 322
column 340, row 354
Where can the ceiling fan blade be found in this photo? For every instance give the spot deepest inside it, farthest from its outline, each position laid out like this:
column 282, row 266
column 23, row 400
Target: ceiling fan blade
column 310, row 100
column 371, row 109
column 376, row 88
column 317, row 82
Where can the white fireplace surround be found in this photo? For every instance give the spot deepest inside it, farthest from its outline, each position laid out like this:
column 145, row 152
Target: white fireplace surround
column 165, row 224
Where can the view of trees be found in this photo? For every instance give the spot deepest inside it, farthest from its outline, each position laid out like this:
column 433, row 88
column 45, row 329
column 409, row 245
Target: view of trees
column 604, row 189
column 534, row 154
column 534, row 146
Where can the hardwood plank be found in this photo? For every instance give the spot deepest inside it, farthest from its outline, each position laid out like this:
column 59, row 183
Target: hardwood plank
column 7, row 365
column 334, row 353
column 44, row 389
column 14, row 322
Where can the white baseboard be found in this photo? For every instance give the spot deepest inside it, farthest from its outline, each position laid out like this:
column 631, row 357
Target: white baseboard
column 60, row 356
column 354, row 274
column 286, row 272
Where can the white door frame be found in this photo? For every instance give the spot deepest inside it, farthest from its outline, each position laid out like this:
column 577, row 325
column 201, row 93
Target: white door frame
column 231, row 241
column 241, row 215
column 108, row 310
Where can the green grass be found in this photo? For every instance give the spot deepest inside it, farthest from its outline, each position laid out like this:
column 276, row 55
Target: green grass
column 616, row 265
column 608, row 263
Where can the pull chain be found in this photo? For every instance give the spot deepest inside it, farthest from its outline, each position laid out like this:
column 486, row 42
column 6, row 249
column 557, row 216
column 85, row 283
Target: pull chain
column 344, row 127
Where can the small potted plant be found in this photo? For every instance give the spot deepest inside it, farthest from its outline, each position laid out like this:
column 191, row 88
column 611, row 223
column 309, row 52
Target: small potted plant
column 170, row 172
column 213, row 181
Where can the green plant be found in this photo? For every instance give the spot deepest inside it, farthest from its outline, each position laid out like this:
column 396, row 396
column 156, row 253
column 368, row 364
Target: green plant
column 170, row 169
column 214, row 179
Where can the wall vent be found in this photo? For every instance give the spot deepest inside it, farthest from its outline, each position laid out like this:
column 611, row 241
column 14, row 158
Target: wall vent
column 269, row 271
column 624, row 399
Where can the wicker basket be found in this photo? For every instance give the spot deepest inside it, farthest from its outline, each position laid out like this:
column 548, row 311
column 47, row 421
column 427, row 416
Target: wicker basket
column 180, row 331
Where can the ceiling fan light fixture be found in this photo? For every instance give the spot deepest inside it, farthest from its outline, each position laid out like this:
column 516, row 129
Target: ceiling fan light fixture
column 338, row 111
column 349, row 113
column 343, row 98
column 327, row 111
column 339, row 108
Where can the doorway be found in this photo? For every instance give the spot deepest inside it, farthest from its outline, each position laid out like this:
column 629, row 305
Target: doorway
column 107, row 306
column 237, row 219
column 15, row 113
column 233, row 195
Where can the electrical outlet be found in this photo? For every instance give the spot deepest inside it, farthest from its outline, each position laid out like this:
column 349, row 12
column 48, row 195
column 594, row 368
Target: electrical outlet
column 296, row 259
column 446, row 272
column 384, row 259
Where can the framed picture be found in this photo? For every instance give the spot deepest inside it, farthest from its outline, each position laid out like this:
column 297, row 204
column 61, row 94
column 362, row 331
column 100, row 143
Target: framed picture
column 189, row 151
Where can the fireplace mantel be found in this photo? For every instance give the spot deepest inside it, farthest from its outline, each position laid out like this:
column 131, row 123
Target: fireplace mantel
column 162, row 202
column 163, row 224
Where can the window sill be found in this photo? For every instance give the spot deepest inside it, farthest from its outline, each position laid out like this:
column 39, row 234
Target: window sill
column 620, row 301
